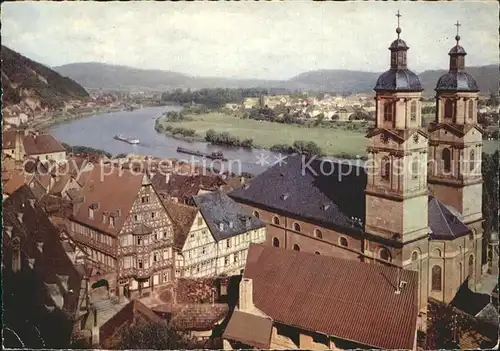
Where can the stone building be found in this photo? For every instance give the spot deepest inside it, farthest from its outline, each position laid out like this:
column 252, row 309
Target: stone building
column 383, row 211
column 120, row 218
column 212, row 236
column 345, row 305
column 44, row 147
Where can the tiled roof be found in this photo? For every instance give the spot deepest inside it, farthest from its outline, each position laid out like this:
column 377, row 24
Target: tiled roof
column 56, row 206
column 443, row 223
column 184, row 187
column 41, row 144
column 332, row 197
column 469, row 301
column 9, row 139
column 39, row 240
column 197, row 317
column 109, row 189
column 182, row 217
column 224, row 216
column 15, row 181
column 341, row 298
column 398, row 80
column 249, row 329
column 59, row 184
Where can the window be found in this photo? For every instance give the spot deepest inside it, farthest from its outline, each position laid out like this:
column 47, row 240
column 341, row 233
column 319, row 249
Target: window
column 413, row 110
column 228, row 243
column 471, row 109
column 276, row 220
column 384, row 254
column 139, row 240
column 414, row 256
column 139, row 264
column 436, row 278
column 296, row 247
column 343, row 241
column 436, row 253
column 153, row 215
column 276, row 242
column 471, row 161
column 226, row 261
column 111, row 221
column 203, row 250
column 235, row 258
column 155, row 236
column 448, row 108
column 317, row 253
column 385, row 170
column 296, row 227
column 388, row 111
column 414, row 168
column 256, row 214
column 143, row 199
column 200, row 221
column 318, row 234
column 165, row 276
column 164, row 235
column 155, row 257
column 136, row 218
column 446, row 156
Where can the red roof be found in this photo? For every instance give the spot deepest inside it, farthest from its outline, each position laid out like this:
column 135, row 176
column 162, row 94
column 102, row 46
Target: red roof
column 41, row 144
column 9, row 139
column 342, row 298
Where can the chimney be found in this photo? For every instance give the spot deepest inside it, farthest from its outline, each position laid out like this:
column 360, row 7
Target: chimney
column 167, row 178
column 221, row 226
column 246, row 295
column 242, row 180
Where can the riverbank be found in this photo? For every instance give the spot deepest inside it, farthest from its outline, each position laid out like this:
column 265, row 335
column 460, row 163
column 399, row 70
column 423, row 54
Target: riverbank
column 59, row 118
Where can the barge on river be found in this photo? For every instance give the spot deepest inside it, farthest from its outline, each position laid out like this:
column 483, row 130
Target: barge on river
column 216, row 155
column 127, row 140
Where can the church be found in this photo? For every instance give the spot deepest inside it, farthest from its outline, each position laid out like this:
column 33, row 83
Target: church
column 414, row 204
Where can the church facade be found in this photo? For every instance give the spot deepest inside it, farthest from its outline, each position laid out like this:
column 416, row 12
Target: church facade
column 416, row 202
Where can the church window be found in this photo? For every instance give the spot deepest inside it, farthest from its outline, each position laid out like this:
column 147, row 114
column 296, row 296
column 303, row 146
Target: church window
column 256, row 214
column 436, row 278
column 276, row 220
column 386, row 168
column 296, row 247
column 413, row 110
column 446, row 156
column 471, row 265
column 448, row 108
column 276, row 242
column 471, row 109
column 384, row 254
column 414, row 168
column 388, row 111
column 414, row 256
column 318, row 234
column 343, row 242
column 296, row 227
column 471, row 161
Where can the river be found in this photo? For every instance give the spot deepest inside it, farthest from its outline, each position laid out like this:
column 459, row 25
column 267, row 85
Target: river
column 97, row 131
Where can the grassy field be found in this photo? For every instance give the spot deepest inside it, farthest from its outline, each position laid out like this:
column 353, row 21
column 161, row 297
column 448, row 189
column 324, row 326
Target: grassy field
column 333, row 141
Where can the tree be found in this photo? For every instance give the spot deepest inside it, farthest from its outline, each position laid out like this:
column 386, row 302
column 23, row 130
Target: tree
column 492, row 100
column 154, row 336
column 490, row 175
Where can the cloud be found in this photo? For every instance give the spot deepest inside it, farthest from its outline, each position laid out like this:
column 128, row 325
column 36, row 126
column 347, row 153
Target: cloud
column 273, row 40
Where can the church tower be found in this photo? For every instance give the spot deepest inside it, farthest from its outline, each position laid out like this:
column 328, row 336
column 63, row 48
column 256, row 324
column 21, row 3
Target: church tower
column 396, row 192
column 455, row 144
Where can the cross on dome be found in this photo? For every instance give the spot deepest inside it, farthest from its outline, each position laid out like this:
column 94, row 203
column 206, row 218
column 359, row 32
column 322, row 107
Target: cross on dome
column 398, row 29
column 457, row 37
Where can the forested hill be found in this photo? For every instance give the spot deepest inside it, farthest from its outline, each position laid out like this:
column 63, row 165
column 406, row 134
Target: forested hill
column 24, row 80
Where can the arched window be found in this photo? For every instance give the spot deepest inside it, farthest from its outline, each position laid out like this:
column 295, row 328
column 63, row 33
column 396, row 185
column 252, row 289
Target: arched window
column 448, row 108
column 436, row 278
column 276, row 220
column 317, row 253
column 296, row 227
column 384, row 254
column 436, row 253
column 276, row 242
column 471, row 109
column 318, row 234
column 388, row 111
column 385, row 169
column 296, row 247
column 446, row 156
column 414, row 168
column 343, row 242
column 413, row 110
column 471, row 265
column 471, row 160
column 256, row 214
column 414, row 255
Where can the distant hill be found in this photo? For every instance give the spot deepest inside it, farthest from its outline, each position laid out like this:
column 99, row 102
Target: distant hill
column 27, row 81
column 111, row 77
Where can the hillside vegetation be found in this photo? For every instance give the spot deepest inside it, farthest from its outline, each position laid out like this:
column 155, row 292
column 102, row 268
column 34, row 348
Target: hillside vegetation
column 24, row 80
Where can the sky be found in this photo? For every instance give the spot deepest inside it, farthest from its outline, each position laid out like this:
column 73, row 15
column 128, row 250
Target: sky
column 265, row 40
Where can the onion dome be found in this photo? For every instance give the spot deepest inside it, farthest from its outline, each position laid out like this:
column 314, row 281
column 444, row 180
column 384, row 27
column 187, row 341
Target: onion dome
column 457, row 80
column 398, row 77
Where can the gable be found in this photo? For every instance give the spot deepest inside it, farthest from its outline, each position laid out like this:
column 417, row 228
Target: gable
column 198, row 234
column 416, row 140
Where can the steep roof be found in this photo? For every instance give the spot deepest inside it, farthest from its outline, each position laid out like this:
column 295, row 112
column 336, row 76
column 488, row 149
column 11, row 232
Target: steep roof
column 443, row 223
column 249, row 329
column 342, row 298
column 14, row 182
column 39, row 240
column 109, row 190
column 197, row 317
column 182, row 217
column 185, row 187
column 224, row 216
column 300, row 189
column 41, row 144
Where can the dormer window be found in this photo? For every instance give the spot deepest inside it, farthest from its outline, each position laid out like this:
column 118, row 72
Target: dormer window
column 91, row 213
column 103, row 218
column 284, row 196
column 111, row 221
